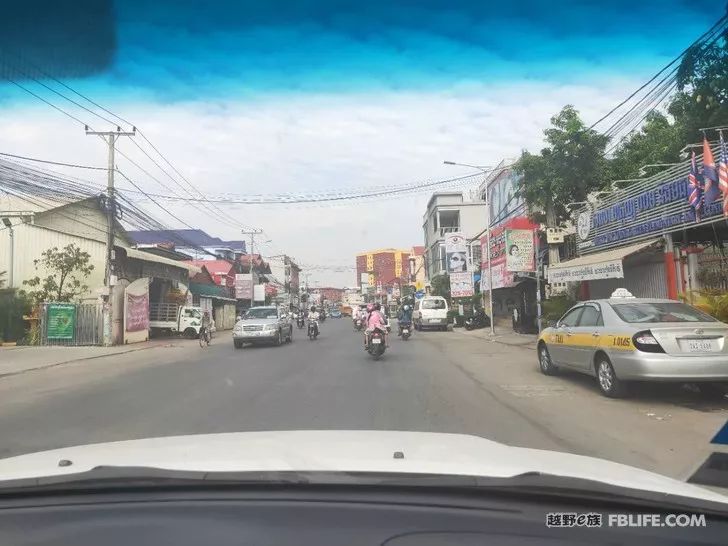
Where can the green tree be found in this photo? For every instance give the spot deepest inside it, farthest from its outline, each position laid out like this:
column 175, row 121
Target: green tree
column 440, row 286
column 570, row 167
column 67, row 270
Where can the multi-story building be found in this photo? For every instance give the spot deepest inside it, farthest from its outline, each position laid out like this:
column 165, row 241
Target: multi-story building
column 383, row 269
column 417, row 276
column 449, row 212
column 284, row 276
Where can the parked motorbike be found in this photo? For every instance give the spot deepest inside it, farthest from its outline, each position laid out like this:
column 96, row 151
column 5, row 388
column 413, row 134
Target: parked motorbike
column 376, row 345
column 313, row 330
column 478, row 320
column 406, row 330
column 300, row 322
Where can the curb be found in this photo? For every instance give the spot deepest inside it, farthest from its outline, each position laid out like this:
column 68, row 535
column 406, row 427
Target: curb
column 47, row 366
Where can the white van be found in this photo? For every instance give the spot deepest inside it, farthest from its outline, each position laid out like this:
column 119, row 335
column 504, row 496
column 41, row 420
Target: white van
column 430, row 312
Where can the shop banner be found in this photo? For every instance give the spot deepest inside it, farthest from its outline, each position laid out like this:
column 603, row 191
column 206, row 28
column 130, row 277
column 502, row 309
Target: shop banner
column 519, row 250
column 243, row 286
column 456, row 252
column 60, row 321
column 259, row 292
column 137, row 312
column 605, row 270
column 501, row 277
column 461, row 285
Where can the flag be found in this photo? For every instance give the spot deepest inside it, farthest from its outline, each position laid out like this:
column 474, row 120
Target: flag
column 723, row 174
column 710, row 175
column 695, row 189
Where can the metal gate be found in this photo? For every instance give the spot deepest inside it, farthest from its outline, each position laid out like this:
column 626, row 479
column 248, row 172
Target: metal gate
column 71, row 324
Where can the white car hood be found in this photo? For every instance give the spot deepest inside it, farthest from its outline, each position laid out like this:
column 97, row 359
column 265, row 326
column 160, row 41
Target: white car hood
column 342, row 451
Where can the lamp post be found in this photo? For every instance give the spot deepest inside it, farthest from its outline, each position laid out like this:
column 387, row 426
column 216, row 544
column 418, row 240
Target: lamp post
column 485, row 170
column 11, row 251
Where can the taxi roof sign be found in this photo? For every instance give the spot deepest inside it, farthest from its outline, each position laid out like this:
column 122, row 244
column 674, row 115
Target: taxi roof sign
column 621, row 293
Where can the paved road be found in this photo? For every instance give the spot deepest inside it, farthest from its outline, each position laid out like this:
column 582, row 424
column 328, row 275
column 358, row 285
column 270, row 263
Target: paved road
column 445, row 382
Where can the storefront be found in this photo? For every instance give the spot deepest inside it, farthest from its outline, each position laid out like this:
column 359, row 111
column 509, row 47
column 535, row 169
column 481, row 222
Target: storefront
column 645, row 238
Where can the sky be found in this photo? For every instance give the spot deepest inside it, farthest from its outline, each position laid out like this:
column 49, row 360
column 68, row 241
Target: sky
column 307, row 96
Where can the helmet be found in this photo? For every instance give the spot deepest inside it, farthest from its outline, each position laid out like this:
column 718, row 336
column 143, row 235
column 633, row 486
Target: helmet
column 370, row 307
column 406, row 307
column 313, row 308
column 207, row 313
column 377, row 306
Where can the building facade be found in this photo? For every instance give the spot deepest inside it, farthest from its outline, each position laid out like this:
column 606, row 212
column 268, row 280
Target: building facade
column 382, row 270
column 449, row 212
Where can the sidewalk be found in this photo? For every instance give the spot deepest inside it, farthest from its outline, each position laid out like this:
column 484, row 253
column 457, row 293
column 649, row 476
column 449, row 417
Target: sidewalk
column 504, row 334
column 20, row 359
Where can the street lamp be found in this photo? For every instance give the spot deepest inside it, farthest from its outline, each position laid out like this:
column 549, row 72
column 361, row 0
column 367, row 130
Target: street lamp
column 11, row 235
column 485, row 170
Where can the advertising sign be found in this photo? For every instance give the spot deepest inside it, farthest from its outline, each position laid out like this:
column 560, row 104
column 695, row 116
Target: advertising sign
column 137, row 312
column 259, row 293
column 456, row 252
column 461, row 285
column 501, row 278
column 243, row 286
column 604, row 270
column 519, row 250
column 61, row 321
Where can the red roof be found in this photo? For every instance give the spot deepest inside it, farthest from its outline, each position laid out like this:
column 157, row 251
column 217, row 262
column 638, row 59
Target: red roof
column 215, row 267
column 418, row 250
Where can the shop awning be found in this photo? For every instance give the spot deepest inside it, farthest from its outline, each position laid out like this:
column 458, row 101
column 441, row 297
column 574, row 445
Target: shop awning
column 600, row 265
column 212, row 291
column 149, row 257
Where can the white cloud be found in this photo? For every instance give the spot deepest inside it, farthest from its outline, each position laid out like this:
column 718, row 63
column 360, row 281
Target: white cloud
column 295, row 143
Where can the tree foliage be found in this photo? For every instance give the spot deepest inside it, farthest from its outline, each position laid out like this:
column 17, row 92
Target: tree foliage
column 2, row 280
column 566, row 170
column 67, row 269
column 440, row 286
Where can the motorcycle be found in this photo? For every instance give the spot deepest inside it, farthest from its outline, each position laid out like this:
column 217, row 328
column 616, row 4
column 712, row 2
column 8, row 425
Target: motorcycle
column 300, row 322
column 376, row 345
column 405, row 329
column 478, row 320
column 313, row 330
column 358, row 325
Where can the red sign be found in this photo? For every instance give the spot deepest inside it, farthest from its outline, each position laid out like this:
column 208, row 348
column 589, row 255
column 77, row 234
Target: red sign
column 243, row 287
column 137, row 312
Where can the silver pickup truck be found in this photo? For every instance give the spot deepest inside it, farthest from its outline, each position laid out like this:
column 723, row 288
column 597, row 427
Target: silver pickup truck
column 263, row 325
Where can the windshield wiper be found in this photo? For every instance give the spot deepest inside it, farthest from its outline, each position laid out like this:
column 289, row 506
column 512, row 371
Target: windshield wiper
column 529, row 484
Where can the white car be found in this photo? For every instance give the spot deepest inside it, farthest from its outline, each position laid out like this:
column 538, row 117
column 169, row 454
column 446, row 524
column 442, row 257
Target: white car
column 430, row 312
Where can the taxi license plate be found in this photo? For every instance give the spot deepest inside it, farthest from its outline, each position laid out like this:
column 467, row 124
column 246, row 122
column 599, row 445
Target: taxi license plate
column 699, row 345
column 433, row 320
column 376, row 341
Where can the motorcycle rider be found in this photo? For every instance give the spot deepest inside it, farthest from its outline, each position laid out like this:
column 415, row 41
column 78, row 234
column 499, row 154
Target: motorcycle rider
column 206, row 323
column 375, row 320
column 313, row 316
column 404, row 316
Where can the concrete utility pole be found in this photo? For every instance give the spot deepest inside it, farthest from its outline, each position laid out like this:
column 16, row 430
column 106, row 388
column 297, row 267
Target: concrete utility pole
column 252, row 233
column 110, row 138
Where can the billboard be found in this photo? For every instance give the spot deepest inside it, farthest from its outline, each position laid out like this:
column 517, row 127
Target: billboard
column 456, row 252
column 61, row 320
column 461, row 285
column 519, row 247
column 243, row 286
column 259, row 292
column 137, row 312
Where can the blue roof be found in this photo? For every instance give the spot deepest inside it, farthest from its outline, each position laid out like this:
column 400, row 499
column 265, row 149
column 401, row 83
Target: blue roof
column 182, row 238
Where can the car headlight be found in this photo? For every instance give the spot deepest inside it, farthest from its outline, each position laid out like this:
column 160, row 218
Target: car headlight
column 270, row 327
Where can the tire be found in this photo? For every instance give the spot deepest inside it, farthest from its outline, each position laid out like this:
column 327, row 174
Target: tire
column 238, row 344
column 607, row 380
column 279, row 339
column 189, row 333
column 290, row 334
column 201, row 339
column 545, row 363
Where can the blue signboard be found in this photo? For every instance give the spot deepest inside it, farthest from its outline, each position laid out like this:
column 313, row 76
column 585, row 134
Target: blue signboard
column 419, row 294
column 721, row 436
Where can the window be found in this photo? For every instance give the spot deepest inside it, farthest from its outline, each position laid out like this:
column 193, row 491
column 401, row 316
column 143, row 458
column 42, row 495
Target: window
column 659, row 312
column 475, row 254
column 591, row 316
column 433, row 304
column 571, row 317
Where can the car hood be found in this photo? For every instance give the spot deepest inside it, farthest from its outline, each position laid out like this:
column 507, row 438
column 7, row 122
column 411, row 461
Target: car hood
column 342, row 451
column 257, row 321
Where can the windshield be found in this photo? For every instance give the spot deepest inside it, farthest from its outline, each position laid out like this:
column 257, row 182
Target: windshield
column 491, row 165
column 433, row 304
column 660, row 312
column 261, row 312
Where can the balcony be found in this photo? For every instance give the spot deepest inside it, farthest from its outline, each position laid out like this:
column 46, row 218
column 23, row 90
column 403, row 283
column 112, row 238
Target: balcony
column 448, row 229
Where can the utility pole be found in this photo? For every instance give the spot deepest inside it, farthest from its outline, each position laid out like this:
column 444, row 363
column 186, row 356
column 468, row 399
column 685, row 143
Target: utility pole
column 252, row 233
column 110, row 138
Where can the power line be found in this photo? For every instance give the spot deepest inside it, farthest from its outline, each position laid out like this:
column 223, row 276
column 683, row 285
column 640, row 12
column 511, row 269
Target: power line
column 54, row 162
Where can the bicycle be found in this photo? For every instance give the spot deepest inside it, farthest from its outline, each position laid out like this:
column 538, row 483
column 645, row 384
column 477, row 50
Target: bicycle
column 205, row 337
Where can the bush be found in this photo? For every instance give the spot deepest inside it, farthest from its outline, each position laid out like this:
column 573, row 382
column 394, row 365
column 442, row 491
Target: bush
column 452, row 314
column 713, row 303
column 13, row 305
column 553, row 309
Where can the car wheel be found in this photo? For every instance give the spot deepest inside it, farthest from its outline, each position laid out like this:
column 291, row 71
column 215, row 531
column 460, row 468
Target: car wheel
column 545, row 364
column 238, row 344
column 190, row 333
column 608, row 382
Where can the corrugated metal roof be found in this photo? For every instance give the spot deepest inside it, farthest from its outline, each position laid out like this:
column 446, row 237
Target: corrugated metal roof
column 148, row 257
column 606, row 256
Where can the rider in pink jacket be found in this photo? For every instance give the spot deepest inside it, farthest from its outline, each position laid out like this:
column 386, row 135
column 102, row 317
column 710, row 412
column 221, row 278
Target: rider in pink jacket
column 376, row 320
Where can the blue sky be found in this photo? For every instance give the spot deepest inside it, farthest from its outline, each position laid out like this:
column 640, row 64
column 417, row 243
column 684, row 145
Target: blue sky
column 284, row 96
